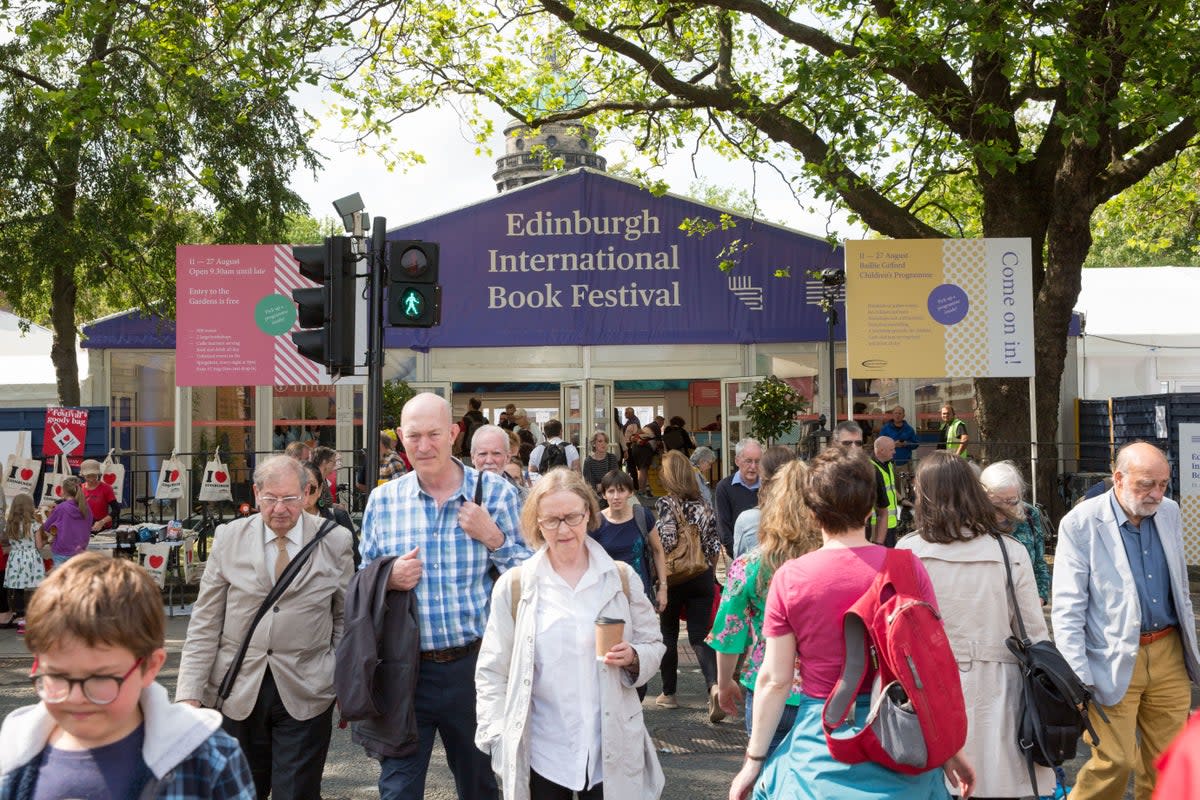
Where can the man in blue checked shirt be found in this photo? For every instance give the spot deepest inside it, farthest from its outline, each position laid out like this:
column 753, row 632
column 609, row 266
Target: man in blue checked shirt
column 446, row 545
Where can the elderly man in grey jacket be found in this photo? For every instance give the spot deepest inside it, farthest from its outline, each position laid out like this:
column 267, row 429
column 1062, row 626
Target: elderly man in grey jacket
column 1123, row 619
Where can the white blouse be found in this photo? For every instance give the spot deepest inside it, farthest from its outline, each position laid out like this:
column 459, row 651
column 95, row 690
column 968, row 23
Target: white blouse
column 564, row 714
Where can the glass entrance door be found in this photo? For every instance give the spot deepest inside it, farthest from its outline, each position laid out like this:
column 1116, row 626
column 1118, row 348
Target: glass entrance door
column 571, row 406
column 601, row 419
column 735, row 425
column 585, row 407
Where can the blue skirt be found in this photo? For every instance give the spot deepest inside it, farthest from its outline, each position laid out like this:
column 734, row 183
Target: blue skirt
column 802, row 768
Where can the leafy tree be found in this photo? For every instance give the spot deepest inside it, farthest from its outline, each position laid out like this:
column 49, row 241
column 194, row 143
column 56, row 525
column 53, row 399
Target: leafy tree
column 1153, row 224
column 924, row 119
column 117, row 120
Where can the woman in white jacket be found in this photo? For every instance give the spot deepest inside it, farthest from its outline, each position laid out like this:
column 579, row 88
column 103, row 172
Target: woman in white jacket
column 959, row 545
column 556, row 719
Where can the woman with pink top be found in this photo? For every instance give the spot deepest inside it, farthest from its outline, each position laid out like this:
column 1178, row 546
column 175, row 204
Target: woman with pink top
column 803, row 626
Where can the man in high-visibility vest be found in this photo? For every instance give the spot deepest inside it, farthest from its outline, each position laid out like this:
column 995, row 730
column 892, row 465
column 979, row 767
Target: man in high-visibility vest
column 884, row 527
column 848, row 434
column 954, row 432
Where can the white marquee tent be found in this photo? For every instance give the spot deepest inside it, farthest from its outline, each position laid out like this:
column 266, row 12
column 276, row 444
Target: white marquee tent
column 26, row 372
column 1141, row 331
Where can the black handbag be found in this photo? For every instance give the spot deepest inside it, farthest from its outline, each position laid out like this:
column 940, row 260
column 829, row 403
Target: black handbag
column 1054, row 711
column 281, row 585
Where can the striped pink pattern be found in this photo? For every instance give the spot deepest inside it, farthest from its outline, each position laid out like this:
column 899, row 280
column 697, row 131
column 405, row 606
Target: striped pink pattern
column 291, row 368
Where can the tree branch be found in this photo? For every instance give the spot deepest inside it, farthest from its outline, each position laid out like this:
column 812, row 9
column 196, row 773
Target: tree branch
column 934, row 81
column 29, row 76
column 1122, row 174
column 875, row 209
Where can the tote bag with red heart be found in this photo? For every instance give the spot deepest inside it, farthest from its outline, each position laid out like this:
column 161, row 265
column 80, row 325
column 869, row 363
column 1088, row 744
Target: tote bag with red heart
column 154, row 559
column 52, row 483
column 170, row 479
column 21, row 473
column 214, row 486
column 113, row 473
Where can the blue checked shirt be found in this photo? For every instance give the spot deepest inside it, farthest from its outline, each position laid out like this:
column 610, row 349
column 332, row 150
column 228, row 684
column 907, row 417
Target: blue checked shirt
column 454, row 589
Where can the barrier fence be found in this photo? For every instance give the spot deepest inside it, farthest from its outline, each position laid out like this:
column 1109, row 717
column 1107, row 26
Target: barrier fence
column 1074, row 476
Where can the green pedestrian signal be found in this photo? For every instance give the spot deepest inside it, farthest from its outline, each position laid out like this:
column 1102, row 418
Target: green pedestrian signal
column 414, row 296
column 412, row 303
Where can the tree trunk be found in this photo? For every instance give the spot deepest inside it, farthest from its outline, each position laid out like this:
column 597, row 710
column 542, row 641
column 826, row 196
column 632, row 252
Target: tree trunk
column 63, row 286
column 1021, row 205
column 62, row 351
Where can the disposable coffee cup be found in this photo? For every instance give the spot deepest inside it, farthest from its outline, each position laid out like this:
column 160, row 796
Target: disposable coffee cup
column 609, row 632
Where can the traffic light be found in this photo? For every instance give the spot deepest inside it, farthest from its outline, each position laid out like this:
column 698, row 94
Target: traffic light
column 326, row 312
column 414, row 295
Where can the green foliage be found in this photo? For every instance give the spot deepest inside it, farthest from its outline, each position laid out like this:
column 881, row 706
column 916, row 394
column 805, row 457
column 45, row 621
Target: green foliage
column 772, row 406
column 128, row 129
column 395, row 395
column 923, row 118
column 1154, row 224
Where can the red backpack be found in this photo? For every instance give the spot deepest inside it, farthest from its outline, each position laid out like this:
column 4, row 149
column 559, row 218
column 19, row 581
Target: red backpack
column 918, row 718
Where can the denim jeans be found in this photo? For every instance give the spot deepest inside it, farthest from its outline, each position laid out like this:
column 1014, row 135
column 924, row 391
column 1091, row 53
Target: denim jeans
column 445, row 704
column 781, row 730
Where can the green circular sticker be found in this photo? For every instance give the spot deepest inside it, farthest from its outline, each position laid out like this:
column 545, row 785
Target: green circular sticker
column 275, row 315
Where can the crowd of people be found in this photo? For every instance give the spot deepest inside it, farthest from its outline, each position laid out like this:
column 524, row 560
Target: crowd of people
column 546, row 592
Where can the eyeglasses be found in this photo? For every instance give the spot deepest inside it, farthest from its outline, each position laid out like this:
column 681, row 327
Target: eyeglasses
column 554, row 523
column 1006, row 501
column 98, row 689
column 851, row 443
column 266, row 500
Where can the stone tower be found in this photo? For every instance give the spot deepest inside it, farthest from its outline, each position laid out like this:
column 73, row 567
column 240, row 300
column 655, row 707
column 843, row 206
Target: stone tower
column 572, row 141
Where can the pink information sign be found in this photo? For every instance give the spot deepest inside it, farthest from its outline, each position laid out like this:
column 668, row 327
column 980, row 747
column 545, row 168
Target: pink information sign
column 234, row 311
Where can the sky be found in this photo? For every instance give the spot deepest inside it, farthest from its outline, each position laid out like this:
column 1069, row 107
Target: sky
column 454, row 175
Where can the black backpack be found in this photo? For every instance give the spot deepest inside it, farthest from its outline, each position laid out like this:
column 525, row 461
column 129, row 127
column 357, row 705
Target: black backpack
column 673, row 438
column 553, row 455
column 1054, row 713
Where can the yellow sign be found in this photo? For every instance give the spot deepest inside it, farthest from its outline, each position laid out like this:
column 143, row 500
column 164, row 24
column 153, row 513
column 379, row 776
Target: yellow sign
column 934, row 308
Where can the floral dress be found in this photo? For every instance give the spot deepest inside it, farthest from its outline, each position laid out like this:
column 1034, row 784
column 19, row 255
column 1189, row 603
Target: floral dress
column 1029, row 533
column 739, row 621
column 25, row 568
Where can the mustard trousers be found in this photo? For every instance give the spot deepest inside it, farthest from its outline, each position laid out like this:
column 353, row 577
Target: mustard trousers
column 1152, row 712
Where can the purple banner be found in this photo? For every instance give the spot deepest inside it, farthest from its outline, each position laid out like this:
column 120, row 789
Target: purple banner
column 586, row 259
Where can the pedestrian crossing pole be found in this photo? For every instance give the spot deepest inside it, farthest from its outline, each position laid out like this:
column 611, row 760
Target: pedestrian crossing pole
column 376, row 269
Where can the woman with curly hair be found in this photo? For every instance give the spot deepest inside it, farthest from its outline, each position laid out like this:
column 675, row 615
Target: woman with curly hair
column 786, row 530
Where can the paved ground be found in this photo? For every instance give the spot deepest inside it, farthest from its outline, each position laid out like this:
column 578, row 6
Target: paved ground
column 701, row 758
column 697, row 757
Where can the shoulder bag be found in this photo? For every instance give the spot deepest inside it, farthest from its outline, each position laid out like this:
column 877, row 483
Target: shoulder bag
column 1054, row 711
column 687, row 560
column 281, row 585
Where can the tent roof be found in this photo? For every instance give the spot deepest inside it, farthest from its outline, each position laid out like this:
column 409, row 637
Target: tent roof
column 25, row 357
column 128, row 330
column 1145, row 303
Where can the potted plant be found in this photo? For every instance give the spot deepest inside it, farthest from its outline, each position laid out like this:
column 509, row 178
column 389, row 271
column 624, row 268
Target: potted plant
column 772, row 406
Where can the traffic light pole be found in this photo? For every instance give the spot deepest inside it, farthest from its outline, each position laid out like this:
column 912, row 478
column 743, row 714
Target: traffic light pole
column 375, row 274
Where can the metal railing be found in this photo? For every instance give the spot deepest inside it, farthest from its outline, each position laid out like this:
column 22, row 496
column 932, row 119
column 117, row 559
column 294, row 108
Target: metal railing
column 142, row 472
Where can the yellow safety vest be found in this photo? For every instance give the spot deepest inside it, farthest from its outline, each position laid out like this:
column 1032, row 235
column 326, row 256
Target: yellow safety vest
column 954, row 430
column 889, row 483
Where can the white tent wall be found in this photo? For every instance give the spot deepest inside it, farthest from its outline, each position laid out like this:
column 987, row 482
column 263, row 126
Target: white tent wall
column 27, row 376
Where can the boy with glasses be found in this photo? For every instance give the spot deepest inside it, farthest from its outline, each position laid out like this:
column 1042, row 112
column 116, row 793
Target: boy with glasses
column 104, row 727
